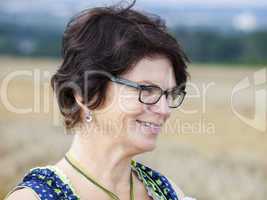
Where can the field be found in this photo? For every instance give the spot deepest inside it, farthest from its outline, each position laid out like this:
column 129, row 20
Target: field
column 205, row 147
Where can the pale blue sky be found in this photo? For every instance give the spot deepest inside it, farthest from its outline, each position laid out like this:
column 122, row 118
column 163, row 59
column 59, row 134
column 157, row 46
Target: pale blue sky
column 238, row 13
column 16, row 5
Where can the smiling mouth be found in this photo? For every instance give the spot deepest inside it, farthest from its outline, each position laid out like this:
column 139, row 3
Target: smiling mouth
column 149, row 124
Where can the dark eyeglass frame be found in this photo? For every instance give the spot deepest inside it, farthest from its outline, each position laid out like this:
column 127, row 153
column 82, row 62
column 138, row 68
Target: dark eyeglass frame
column 141, row 87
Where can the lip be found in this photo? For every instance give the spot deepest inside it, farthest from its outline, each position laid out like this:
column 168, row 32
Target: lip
column 153, row 130
column 155, row 123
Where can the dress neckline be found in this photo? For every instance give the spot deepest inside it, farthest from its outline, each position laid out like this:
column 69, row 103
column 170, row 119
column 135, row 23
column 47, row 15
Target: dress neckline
column 144, row 174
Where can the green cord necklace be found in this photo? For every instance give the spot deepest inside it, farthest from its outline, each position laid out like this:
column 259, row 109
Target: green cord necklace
column 74, row 163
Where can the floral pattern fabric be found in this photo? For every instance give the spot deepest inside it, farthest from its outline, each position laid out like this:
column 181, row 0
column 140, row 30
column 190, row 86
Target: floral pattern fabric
column 49, row 183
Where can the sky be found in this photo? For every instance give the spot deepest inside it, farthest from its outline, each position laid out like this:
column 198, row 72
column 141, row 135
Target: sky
column 17, row 5
column 167, row 8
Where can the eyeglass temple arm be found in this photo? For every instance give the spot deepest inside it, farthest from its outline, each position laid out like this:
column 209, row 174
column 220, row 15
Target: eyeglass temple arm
column 125, row 82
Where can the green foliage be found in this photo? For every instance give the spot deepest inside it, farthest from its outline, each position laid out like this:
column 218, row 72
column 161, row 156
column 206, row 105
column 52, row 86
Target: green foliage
column 216, row 47
column 29, row 41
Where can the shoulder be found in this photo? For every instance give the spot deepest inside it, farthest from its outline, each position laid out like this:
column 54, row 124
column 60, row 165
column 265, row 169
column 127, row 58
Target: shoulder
column 43, row 183
column 22, row 194
column 33, row 185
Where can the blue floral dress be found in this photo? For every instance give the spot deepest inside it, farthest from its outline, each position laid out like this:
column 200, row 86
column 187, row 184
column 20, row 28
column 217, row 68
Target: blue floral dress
column 49, row 183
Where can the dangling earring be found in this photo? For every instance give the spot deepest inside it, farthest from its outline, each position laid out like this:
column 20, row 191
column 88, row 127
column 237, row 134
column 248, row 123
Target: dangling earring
column 88, row 116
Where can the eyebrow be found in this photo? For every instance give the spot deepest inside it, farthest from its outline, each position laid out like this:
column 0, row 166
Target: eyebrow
column 148, row 82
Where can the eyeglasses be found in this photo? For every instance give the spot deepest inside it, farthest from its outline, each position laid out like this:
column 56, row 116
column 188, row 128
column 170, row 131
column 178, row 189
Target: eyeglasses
column 151, row 94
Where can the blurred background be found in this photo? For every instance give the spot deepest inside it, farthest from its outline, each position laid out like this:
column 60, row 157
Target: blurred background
column 213, row 147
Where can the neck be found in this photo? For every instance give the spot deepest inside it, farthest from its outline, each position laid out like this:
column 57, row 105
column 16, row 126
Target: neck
column 105, row 158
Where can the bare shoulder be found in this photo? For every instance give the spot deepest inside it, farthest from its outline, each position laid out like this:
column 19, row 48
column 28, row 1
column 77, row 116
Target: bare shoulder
column 22, row 194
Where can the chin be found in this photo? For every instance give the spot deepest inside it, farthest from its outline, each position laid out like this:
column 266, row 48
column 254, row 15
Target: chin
column 143, row 139
column 144, row 145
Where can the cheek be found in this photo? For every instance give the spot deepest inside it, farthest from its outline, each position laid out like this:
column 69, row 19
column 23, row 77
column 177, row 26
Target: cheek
column 130, row 108
column 122, row 108
column 120, row 117
column 123, row 100
column 128, row 102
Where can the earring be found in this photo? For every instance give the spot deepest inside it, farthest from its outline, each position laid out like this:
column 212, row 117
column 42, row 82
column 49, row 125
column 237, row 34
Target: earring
column 88, row 116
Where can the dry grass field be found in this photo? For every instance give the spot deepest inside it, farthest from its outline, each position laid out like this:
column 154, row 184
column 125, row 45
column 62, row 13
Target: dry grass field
column 206, row 149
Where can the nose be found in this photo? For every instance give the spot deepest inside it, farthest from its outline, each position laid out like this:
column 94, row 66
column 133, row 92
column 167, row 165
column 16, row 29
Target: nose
column 162, row 108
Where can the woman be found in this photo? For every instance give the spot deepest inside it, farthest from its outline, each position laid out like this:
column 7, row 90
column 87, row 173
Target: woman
column 121, row 77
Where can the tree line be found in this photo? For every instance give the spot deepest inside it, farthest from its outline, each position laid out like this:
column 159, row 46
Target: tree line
column 203, row 45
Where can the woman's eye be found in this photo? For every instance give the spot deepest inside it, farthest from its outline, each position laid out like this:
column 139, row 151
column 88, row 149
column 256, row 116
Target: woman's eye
column 149, row 90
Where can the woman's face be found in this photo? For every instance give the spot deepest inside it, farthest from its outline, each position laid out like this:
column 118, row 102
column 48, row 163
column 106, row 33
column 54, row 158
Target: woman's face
column 126, row 119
